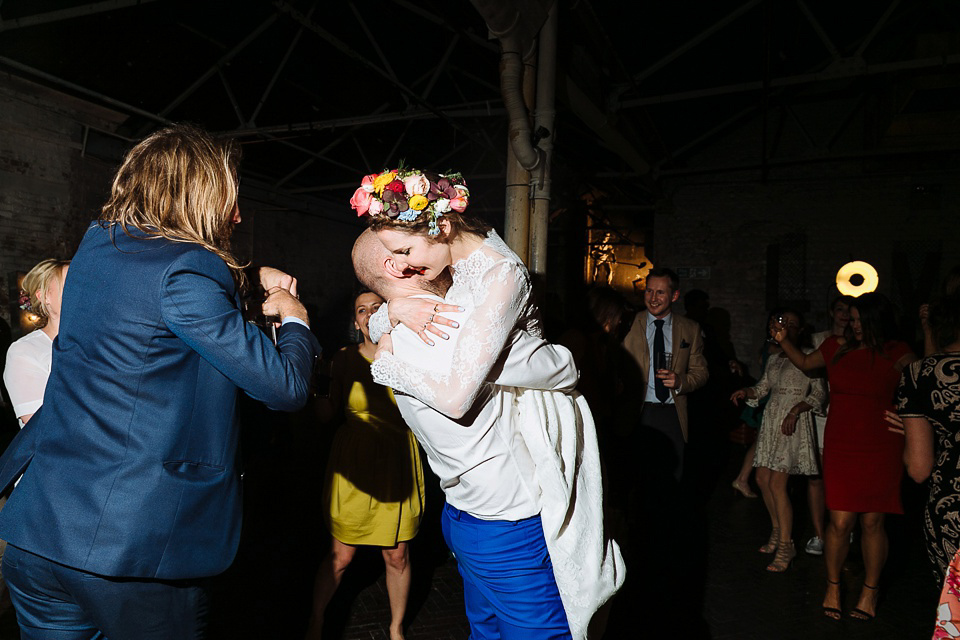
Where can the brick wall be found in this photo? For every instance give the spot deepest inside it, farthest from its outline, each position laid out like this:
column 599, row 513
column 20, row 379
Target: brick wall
column 50, row 190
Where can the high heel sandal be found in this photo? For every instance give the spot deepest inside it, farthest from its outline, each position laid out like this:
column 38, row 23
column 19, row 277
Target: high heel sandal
column 832, row 612
column 743, row 488
column 785, row 555
column 859, row 614
column 771, row 546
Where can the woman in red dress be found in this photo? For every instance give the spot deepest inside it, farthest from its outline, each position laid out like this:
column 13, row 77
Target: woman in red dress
column 862, row 460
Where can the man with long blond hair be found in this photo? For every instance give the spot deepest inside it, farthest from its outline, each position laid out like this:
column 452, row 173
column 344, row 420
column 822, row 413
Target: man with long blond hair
column 130, row 492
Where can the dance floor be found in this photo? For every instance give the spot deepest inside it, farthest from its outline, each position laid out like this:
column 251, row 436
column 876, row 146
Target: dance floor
column 695, row 574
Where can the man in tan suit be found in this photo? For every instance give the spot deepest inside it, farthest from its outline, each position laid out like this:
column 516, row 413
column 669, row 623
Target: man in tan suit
column 655, row 334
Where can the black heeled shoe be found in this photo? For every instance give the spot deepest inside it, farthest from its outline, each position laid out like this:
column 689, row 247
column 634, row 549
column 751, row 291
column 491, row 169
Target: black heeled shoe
column 832, row 612
column 859, row 614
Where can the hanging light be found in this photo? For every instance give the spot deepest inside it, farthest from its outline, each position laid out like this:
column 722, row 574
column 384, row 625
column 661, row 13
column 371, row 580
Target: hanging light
column 857, row 278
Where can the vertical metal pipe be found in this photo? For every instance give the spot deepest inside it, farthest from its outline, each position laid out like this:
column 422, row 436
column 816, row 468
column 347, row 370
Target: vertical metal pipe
column 540, row 180
column 517, row 217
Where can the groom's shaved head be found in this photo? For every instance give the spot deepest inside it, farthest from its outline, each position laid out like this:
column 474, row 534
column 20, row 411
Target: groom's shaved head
column 369, row 256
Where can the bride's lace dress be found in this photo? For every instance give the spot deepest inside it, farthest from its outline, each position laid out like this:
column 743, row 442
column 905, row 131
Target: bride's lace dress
column 496, row 285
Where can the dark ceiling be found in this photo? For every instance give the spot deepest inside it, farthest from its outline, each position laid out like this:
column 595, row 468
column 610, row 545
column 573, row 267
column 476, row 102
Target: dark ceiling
column 324, row 91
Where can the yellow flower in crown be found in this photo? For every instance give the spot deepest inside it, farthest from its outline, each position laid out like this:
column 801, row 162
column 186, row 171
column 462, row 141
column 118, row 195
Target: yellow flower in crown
column 382, row 180
column 418, row 202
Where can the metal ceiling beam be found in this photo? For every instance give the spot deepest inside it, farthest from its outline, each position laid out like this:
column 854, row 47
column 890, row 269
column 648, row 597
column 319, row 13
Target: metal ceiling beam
column 67, row 14
column 218, row 64
column 861, row 102
column 834, row 72
column 233, row 99
column 276, row 74
column 693, row 42
column 872, row 153
column 43, row 75
column 427, row 15
column 336, row 143
column 376, row 47
column 709, row 134
column 424, row 95
column 824, row 38
column 357, row 57
column 803, row 129
column 399, row 116
column 876, row 28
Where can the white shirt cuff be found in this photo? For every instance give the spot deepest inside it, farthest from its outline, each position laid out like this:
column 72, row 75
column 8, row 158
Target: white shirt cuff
column 296, row 320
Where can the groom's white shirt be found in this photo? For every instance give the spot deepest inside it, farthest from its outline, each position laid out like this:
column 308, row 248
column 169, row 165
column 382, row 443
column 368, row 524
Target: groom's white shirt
column 483, row 464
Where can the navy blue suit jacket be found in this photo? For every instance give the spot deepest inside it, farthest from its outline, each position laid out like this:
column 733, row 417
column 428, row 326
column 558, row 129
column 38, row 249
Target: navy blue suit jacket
column 130, row 467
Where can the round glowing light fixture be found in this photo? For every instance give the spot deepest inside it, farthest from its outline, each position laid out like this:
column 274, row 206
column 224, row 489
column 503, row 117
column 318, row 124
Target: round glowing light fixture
column 857, row 278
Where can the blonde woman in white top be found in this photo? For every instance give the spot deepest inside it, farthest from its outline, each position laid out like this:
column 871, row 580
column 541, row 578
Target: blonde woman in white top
column 29, row 358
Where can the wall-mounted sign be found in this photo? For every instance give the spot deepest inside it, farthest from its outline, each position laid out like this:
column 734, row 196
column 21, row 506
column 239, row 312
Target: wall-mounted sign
column 693, row 273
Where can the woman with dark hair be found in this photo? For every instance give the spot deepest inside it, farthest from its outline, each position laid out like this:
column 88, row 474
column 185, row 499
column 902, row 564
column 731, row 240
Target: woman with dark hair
column 786, row 444
column 928, row 401
column 862, row 464
column 376, row 504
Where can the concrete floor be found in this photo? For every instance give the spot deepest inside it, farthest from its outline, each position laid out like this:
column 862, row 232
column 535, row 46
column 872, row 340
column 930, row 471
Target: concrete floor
column 694, row 571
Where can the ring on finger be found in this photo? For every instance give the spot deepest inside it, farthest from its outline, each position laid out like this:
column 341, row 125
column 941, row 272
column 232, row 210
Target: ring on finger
column 436, row 308
column 430, row 319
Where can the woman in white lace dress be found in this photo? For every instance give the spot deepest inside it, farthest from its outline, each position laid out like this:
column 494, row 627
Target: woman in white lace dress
column 786, row 443
column 418, row 216
column 487, row 277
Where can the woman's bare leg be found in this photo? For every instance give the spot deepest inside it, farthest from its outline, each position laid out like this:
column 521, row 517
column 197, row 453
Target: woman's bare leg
column 397, row 561
column 766, row 491
column 747, row 467
column 874, row 546
column 835, row 548
column 325, row 584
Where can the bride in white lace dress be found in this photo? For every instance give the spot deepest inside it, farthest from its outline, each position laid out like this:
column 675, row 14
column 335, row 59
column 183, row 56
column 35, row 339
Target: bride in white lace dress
column 424, row 237
column 487, row 277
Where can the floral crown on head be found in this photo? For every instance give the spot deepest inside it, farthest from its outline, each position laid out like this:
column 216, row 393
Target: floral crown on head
column 406, row 194
column 24, row 301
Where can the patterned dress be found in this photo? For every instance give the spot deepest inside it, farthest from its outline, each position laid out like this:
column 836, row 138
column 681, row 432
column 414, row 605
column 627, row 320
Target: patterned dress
column 786, row 386
column 930, row 388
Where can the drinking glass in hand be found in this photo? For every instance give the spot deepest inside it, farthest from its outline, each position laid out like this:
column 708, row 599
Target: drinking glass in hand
column 664, row 361
column 776, row 324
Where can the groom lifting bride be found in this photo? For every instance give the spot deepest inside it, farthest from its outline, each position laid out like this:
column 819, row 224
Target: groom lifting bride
column 492, row 404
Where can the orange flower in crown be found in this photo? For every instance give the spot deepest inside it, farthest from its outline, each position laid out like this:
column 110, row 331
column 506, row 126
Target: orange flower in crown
column 407, row 194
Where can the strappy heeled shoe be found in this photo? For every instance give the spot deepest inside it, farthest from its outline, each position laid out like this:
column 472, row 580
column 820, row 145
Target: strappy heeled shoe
column 859, row 614
column 832, row 612
column 786, row 552
column 743, row 488
column 771, row 545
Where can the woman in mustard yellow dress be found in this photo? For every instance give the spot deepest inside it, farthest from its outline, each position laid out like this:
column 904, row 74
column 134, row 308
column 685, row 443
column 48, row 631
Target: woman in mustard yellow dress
column 374, row 488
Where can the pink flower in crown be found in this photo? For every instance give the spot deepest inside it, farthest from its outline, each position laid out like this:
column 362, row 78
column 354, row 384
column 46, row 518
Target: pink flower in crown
column 367, row 183
column 376, row 206
column 458, row 204
column 416, row 185
column 361, row 201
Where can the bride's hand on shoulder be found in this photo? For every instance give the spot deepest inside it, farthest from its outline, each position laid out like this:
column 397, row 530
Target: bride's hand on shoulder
column 420, row 315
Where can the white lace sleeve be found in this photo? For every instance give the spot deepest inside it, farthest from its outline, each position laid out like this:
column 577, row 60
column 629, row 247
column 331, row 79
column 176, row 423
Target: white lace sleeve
column 762, row 388
column 379, row 323
column 502, row 298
